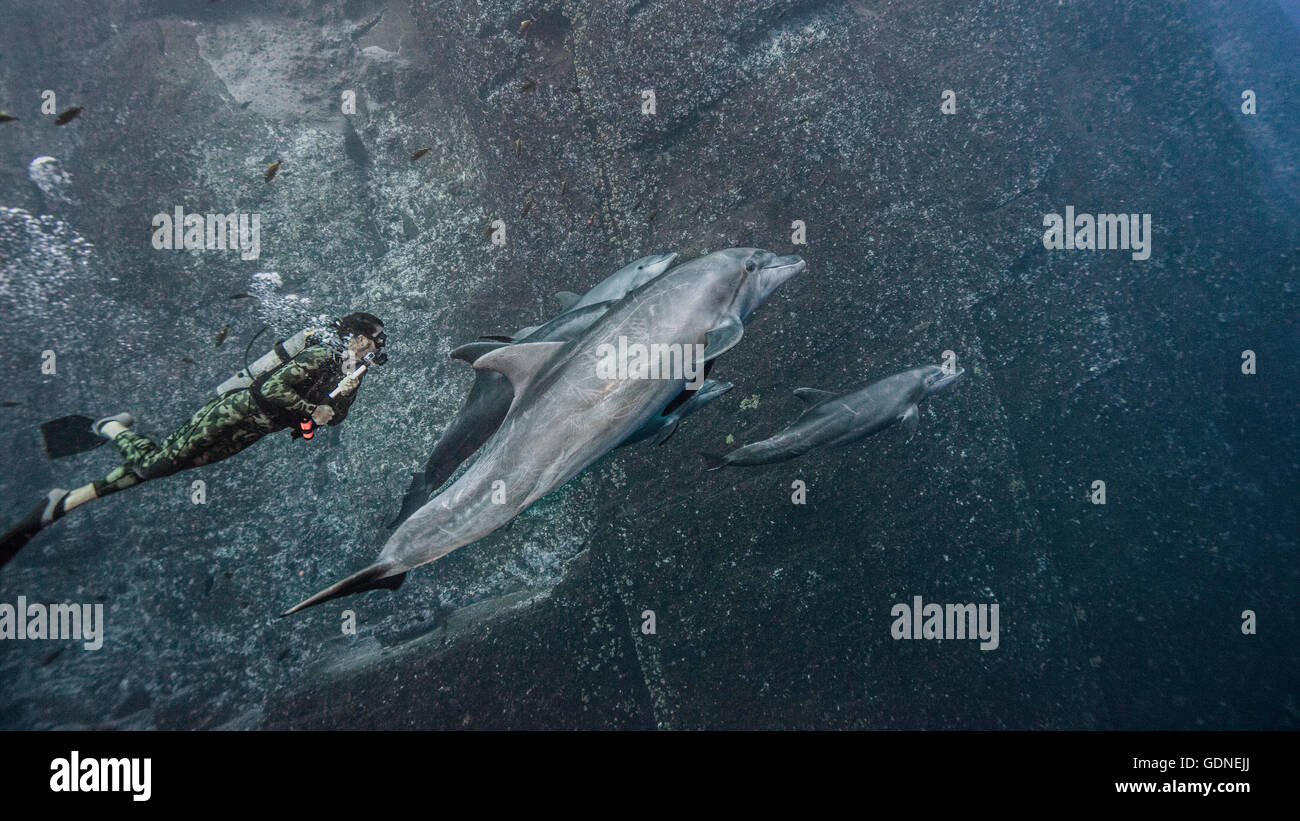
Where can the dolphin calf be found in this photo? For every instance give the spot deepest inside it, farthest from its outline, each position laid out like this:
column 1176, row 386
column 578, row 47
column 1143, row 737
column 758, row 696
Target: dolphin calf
column 663, row 426
column 568, row 410
column 628, row 278
column 489, row 397
column 831, row 420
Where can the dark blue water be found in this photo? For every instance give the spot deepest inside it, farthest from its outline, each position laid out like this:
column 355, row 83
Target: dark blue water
column 924, row 235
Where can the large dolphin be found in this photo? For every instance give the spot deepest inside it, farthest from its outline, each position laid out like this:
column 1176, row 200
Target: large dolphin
column 831, row 420
column 489, row 397
column 567, row 411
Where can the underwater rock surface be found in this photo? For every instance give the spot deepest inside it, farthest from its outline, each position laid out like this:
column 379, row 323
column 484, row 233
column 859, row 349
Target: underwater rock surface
column 924, row 235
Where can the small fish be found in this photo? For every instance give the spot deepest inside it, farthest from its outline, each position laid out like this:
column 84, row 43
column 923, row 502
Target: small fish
column 222, row 334
column 272, row 169
column 417, row 155
column 6, row 117
column 575, row 89
column 187, row 360
column 651, row 218
column 518, row 142
column 241, row 295
column 245, row 103
column 527, row 85
column 8, row 404
column 564, row 186
column 525, row 26
column 528, row 206
column 69, row 115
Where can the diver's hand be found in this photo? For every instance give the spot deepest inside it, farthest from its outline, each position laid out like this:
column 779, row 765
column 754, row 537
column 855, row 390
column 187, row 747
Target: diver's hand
column 348, row 385
column 322, row 415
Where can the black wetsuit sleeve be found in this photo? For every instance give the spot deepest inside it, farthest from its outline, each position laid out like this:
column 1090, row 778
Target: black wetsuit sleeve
column 292, row 387
column 340, row 404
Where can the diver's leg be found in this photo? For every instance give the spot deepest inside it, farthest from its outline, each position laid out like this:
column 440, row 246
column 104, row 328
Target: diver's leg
column 58, row 501
column 215, row 431
column 219, row 430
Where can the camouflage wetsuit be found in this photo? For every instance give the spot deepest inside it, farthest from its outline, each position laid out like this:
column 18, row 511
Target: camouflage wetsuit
column 235, row 420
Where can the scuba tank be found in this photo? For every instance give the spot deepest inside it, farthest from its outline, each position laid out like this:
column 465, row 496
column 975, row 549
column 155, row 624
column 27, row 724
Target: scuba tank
column 284, row 350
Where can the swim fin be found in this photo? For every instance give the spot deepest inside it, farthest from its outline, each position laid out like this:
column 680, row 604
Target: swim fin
column 47, row 512
column 68, row 435
column 22, row 533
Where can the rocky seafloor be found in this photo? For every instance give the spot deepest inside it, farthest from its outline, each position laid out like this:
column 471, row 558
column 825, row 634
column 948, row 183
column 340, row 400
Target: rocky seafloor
column 923, row 235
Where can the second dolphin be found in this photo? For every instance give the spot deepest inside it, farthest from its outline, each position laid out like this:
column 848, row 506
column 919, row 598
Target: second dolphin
column 831, row 420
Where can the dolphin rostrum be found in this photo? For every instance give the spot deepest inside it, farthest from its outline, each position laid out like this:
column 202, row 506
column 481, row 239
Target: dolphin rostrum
column 568, row 409
column 831, row 420
column 489, row 397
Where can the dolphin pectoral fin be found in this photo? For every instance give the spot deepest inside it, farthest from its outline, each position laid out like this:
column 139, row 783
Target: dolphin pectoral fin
column 724, row 337
column 470, row 352
column 417, row 493
column 714, row 460
column 667, row 431
column 812, row 396
column 909, row 420
column 519, row 362
column 374, row 576
column 567, row 299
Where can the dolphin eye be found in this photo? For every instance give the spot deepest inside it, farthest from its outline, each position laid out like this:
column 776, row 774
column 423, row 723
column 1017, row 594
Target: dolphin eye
column 749, row 267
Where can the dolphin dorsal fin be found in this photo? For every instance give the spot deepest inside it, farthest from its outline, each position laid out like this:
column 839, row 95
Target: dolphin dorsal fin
column 567, row 299
column 519, row 362
column 470, row 352
column 812, row 397
column 723, row 337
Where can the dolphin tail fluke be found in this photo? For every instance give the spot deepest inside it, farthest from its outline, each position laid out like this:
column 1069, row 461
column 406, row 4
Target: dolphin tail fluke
column 374, row 576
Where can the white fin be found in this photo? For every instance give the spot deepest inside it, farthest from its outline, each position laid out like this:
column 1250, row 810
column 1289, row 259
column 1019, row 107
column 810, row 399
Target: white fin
column 909, row 420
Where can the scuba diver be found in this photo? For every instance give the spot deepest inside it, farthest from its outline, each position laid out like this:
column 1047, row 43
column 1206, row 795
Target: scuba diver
column 302, row 384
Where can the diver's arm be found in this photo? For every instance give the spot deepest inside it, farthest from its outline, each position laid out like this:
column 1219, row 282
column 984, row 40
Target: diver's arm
column 341, row 404
column 283, row 388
